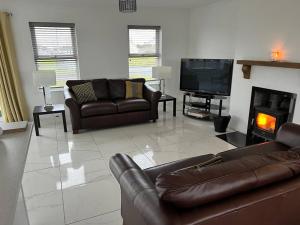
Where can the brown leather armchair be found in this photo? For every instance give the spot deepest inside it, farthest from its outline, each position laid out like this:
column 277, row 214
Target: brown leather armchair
column 275, row 204
column 111, row 109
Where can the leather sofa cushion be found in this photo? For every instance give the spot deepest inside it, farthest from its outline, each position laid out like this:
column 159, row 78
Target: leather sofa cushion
column 98, row 108
column 195, row 187
column 132, row 105
column 71, row 83
column 117, row 89
column 101, row 89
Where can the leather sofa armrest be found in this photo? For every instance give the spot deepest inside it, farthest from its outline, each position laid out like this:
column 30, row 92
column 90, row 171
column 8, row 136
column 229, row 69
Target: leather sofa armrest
column 151, row 95
column 289, row 135
column 139, row 196
column 120, row 163
column 69, row 97
column 74, row 107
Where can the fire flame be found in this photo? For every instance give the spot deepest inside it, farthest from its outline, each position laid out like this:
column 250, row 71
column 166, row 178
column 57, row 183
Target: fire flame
column 266, row 122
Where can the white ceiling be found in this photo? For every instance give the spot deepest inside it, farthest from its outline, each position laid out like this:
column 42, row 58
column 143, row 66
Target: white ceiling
column 140, row 3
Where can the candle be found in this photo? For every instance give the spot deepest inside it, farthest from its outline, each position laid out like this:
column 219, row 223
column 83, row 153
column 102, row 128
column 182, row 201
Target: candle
column 276, row 56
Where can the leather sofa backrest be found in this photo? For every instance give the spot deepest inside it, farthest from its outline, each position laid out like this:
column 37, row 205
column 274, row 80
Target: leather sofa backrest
column 194, row 187
column 289, row 134
column 101, row 89
column 117, row 89
column 106, row 89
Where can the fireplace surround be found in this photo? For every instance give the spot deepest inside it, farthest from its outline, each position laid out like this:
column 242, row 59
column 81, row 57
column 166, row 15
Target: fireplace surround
column 269, row 109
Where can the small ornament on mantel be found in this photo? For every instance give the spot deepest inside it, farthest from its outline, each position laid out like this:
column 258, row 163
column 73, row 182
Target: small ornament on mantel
column 277, row 56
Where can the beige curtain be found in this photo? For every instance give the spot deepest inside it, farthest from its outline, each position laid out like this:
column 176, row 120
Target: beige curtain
column 12, row 101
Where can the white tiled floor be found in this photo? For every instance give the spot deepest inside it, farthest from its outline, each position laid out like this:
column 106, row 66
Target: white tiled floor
column 67, row 179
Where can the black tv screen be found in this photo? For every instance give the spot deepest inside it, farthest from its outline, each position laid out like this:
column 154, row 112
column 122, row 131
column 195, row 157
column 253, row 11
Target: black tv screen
column 208, row 76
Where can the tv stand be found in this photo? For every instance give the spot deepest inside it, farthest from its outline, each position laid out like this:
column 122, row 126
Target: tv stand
column 202, row 109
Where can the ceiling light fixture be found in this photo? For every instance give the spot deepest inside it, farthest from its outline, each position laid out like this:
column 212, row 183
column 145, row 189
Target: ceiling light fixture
column 127, row 6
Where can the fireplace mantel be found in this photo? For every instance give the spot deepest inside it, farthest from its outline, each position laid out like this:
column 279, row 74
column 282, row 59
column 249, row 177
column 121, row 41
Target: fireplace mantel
column 247, row 65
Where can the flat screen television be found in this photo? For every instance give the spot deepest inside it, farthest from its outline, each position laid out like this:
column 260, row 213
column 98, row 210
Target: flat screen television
column 207, row 76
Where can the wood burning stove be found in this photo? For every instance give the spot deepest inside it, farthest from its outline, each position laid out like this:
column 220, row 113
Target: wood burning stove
column 268, row 121
column 269, row 109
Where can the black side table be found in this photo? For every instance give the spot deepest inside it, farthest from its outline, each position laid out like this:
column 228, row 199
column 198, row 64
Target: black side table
column 168, row 98
column 39, row 110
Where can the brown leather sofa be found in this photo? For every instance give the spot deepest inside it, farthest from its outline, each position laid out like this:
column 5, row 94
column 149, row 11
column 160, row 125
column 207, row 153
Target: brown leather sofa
column 274, row 204
column 111, row 109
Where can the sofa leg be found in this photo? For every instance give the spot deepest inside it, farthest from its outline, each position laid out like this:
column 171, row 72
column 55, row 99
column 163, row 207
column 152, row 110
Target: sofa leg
column 154, row 121
column 75, row 131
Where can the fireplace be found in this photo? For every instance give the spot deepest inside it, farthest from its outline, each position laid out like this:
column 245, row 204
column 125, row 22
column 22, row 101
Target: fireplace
column 267, row 122
column 269, row 109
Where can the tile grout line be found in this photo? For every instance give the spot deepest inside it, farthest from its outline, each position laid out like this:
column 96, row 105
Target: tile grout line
column 98, row 147
column 38, row 170
column 38, row 195
column 60, row 177
column 92, row 217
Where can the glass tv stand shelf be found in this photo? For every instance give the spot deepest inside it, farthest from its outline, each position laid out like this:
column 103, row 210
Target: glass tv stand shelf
column 200, row 106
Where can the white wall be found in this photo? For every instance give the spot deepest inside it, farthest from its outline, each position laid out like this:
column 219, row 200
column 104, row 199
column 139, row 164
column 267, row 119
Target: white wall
column 250, row 30
column 102, row 37
column 212, row 30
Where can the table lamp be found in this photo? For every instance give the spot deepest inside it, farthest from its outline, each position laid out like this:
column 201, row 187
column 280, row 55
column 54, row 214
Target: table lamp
column 43, row 79
column 162, row 73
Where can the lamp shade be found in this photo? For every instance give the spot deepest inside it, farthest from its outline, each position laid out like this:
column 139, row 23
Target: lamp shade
column 44, row 78
column 162, row 72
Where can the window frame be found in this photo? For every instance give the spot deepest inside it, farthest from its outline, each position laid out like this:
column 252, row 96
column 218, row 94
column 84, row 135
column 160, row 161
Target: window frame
column 157, row 54
column 36, row 56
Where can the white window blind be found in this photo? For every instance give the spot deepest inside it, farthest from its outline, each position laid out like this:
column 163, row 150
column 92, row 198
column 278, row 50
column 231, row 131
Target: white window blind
column 144, row 50
column 55, row 48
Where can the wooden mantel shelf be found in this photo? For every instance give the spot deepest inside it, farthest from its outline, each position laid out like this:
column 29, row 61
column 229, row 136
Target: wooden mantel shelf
column 247, row 64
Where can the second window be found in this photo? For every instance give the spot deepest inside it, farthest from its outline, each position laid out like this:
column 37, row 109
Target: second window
column 144, row 50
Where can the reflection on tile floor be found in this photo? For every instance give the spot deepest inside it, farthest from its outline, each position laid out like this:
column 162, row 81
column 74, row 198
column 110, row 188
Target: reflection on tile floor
column 67, row 179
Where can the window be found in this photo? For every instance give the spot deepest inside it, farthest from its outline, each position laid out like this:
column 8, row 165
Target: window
column 55, row 48
column 144, row 50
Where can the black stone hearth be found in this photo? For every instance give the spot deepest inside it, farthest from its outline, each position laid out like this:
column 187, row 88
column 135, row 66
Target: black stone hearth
column 236, row 139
